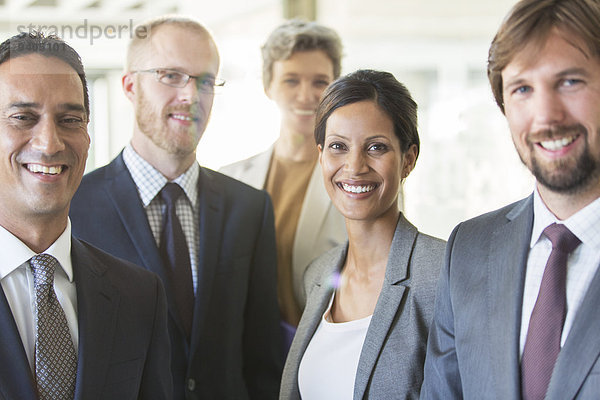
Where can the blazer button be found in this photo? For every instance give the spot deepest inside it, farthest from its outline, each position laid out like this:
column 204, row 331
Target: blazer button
column 191, row 384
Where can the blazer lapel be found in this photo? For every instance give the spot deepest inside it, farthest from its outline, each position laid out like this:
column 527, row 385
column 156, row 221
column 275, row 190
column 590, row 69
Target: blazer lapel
column 211, row 226
column 16, row 378
column 126, row 200
column 318, row 297
column 257, row 167
column 509, row 248
column 314, row 207
column 581, row 350
column 388, row 303
column 97, row 305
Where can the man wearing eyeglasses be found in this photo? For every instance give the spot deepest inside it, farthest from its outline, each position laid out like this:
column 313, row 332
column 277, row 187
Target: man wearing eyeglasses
column 210, row 238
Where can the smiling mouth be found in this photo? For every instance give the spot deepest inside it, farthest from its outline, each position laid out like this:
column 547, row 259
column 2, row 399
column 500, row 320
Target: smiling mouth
column 356, row 188
column 183, row 117
column 554, row 145
column 45, row 169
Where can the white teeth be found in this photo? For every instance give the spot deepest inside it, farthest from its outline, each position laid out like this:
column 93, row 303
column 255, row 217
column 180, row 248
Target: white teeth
column 53, row 170
column 357, row 189
column 182, row 117
column 304, row 112
column 554, row 145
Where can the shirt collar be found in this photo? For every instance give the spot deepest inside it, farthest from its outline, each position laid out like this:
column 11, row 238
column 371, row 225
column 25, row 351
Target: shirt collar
column 16, row 253
column 149, row 181
column 583, row 223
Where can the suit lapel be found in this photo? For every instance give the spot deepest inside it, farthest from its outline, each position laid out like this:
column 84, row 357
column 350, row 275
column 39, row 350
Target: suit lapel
column 581, row 350
column 97, row 305
column 318, row 297
column 122, row 191
column 388, row 304
column 211, row 226
column 126, row 200
column 314, row 207
column 509, row 248
column 16, row 378
column 257, row 168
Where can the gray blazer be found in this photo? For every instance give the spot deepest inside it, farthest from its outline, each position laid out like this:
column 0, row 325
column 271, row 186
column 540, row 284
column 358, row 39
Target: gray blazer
column 391, row 361
column 473, row 350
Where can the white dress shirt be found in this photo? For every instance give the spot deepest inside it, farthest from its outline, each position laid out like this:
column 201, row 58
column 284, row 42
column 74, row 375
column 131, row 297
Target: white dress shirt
column 17, row 283
column 582, row 263
column 149, row 182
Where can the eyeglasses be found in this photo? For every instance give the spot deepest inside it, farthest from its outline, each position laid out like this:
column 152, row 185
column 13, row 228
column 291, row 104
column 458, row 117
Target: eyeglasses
column 204, row 83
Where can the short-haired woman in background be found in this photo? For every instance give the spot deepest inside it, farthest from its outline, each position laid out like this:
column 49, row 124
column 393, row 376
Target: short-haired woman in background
column 300, row 59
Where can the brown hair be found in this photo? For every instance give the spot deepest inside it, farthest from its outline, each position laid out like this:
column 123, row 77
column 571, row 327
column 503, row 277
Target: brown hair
column 531, row 22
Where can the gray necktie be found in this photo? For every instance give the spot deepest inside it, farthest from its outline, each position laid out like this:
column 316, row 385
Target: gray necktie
column 545, row 326
column 55, row 359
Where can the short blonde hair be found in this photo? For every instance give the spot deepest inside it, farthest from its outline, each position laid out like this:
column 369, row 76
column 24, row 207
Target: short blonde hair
column 144, row 31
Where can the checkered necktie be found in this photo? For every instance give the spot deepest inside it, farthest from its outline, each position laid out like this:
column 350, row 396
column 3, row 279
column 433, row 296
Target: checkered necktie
column 545, row 327
column 55, row 360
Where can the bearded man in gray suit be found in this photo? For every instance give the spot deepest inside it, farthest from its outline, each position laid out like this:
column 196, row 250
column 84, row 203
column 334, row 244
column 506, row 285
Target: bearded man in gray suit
column 511, row 320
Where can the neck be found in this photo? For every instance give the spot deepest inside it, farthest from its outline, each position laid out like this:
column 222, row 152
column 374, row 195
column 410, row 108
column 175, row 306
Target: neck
column 169, row 165
column 39, row 233
column 565, row 205
column 296, row 146
column 369, row 242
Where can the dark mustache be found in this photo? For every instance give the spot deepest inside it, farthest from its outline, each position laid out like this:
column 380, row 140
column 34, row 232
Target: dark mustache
column 39, row 158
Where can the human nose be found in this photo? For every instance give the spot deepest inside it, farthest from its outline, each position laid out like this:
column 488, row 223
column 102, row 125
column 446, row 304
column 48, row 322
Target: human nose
column 189, row 92
column 548, row 109
column 356, row 163
column 46, row 137
column 306, row 93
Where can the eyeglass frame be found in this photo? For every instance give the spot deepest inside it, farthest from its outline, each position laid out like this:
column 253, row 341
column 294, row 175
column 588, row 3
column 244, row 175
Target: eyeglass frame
column 218, row 82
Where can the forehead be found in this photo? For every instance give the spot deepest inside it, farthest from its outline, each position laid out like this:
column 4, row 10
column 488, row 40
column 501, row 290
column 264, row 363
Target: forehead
column 172, row 46
column 553, row 54
column 38, row 79
column 363, row 118
column 311, row 62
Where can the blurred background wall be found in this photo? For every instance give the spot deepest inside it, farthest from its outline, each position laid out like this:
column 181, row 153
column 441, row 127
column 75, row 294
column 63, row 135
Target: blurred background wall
column 438, row 48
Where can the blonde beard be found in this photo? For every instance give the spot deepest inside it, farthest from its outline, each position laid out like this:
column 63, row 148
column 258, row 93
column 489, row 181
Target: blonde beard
column 180, row 143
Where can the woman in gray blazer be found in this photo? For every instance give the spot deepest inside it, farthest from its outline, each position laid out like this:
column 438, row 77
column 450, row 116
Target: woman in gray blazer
column 369, row 305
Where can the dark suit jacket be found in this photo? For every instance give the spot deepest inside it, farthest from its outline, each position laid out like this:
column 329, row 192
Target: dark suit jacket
column 123, row 341
column 391, row 361
column 473, row 349
column 235, row 350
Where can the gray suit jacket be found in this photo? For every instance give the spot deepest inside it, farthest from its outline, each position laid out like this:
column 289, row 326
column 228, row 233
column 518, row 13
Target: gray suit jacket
column 391, row 361
column 473, row 350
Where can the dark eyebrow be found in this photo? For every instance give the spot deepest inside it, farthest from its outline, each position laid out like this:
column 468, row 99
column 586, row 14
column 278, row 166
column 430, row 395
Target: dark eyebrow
column 73, row 107
column 66, row 106
column 24, row 105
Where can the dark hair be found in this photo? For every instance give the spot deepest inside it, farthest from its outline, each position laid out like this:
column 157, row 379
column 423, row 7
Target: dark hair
column 296, row 35
column 391, row 96
column 531, row 22
column 48, row 46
